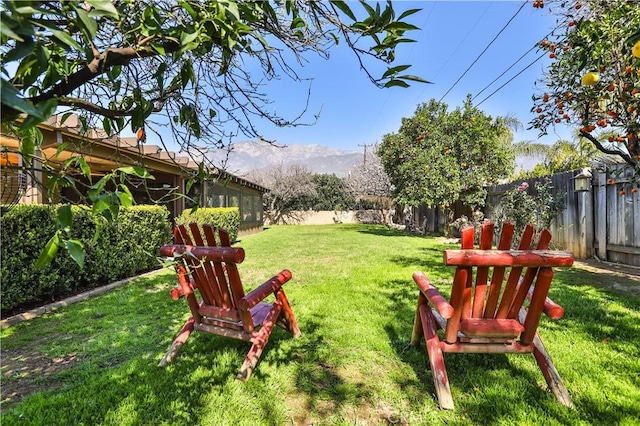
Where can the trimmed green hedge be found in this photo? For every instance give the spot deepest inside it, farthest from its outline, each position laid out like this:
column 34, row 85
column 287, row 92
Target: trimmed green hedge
column 218, row 217
column 118, row 250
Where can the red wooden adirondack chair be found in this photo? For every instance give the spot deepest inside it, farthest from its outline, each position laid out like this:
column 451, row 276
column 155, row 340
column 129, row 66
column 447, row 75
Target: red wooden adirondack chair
column 223, row 308
column 483, row 316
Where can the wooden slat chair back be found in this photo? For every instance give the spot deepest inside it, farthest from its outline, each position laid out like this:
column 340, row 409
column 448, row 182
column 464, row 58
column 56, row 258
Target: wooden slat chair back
column 497, row 299
column 209, row 265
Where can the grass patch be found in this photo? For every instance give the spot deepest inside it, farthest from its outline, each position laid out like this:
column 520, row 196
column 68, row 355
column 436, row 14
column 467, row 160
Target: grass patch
column 95, row 362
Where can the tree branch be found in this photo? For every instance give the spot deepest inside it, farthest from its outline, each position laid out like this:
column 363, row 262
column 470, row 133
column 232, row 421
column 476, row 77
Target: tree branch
column 100, row 64
column 626, row 157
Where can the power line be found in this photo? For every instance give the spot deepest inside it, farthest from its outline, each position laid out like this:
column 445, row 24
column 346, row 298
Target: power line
column 503, row 73
column 513, row 64
column 482, row 53
column 463, row 40
column 511, row 79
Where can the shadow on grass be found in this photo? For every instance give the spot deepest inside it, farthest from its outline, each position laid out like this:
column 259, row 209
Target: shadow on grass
column 116, row 379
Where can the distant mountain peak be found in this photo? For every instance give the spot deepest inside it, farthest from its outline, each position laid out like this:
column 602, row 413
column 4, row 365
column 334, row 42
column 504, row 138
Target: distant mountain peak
column 247, row 156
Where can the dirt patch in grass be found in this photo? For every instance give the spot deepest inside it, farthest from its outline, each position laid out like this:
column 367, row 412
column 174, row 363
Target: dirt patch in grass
column 620, row 278
column 25, row 370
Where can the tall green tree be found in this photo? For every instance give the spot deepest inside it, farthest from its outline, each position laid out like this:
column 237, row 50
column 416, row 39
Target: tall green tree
column 562, row 156
column 331, row 194
column 438, row 156
column 593, row 81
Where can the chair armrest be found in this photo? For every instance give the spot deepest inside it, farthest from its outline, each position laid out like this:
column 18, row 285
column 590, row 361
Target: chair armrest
column 431, row 293
column 267, row 288
column 551, row 308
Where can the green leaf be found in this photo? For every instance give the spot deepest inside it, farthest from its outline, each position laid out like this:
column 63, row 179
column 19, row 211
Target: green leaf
column 104, row 7
column 297, row 22
column 86, row 170
column 8, row 32
column 21, row 50
column 76, row 250
column 49, row 251
column 60, row 149
column 63, row 37
column 158, row 48
column 126, row 199
column 87, row 21
column 138, row 171
column 400, row 83
column 414, row 78
column 11, row 98
column 43, row 111
column 186, row 38
column 101, row 204
column 65, row 217
column 28, row 146
column 395, row 70
column 344, row 7
column 405, row 26
column 407, row 13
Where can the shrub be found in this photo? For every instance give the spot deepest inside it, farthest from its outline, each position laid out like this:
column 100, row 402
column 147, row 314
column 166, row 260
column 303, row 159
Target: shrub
column 112, row 251
column 522, row 205
column 219, row 217
column 476, row 220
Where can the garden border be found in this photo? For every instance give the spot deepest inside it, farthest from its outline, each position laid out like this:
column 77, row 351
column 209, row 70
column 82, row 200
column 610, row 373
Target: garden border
column 33, row 313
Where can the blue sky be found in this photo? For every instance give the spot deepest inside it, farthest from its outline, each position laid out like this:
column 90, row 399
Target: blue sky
column 354, row 112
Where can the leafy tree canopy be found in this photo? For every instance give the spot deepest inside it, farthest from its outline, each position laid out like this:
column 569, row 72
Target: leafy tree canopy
column 195, row 66
column 594, row 79
column 439, row 157
column 331, row 194
column 562, row 156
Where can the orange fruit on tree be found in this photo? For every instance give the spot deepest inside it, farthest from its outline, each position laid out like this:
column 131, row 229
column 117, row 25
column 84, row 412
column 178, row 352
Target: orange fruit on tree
column 635, row 51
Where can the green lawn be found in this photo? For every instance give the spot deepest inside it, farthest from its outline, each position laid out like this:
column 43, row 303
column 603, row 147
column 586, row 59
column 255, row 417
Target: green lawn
column 95, row 362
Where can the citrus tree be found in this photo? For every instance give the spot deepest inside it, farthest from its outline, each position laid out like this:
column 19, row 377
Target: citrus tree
column 593, row 81
column 438, row 157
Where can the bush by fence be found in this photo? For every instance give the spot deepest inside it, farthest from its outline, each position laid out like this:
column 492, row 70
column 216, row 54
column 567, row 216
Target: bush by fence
column 219, row 217
column 112, row 251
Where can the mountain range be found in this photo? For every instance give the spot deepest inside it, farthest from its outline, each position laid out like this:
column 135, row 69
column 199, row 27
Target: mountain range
column 248, row 156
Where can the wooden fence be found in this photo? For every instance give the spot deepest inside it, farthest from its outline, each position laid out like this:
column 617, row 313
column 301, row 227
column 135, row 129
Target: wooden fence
column 600, row 222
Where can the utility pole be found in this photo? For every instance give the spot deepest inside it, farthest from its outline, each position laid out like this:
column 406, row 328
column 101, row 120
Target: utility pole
column 365, row 151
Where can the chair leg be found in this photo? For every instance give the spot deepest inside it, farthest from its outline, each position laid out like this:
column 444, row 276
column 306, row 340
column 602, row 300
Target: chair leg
column 417, row 333
column 259, row 342
column 175, row 347
column 436, row 359
column 550, row 373
column 287, row 313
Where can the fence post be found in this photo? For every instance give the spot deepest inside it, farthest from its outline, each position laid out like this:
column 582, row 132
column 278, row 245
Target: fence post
column 601, row 215
column 585, row 224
